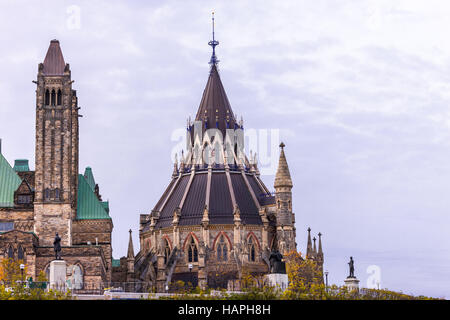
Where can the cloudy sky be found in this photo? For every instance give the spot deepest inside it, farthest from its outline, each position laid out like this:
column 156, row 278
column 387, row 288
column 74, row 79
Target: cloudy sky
column 359, row 91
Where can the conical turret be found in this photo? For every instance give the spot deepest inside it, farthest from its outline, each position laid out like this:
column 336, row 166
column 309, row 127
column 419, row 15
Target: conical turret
column 130, row 259
column 283, row 176
column 309, row 249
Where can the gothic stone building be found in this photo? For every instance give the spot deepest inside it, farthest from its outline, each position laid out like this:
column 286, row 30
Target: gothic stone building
column 216, row 219
column 34, row 205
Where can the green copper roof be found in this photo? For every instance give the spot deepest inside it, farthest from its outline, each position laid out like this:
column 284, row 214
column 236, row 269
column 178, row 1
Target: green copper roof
column 21, row 165
column 9, row 182
column 89, row 176
column 89, row 207
column 115, row 262
column 105, row 205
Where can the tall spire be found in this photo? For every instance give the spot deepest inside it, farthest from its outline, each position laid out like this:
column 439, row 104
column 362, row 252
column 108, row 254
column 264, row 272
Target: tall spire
column 130, row 254
column 54, row 61
column 283, row 176
column 213, row 43
column 320, row 253
column 215, row 110
column 314, row 247
column 309, row 249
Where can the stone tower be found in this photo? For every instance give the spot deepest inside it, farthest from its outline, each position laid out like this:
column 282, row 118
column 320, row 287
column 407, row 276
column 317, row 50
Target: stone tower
column 285, row 226
column 56, row 149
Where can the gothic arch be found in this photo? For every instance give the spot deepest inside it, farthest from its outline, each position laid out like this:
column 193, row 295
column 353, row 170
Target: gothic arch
column 47, row 97
column 191, row 234
column 59, row 97
column 191, row 247
column 166, row 238
column 255, row 239
column 230, row 244
column 53, row 95
column 20, row 253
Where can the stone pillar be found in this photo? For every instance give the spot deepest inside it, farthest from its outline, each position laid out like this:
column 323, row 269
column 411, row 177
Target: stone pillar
column 352, row 283
column 160, row 276
column 277, row 280
column 58, row 272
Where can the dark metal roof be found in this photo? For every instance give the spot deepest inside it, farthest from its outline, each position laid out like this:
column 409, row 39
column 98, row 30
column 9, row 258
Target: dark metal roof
column 192, row 211
column 220, row 204
column 54, row 61
column 214, row 107
column 166, row 215
column 244, row 200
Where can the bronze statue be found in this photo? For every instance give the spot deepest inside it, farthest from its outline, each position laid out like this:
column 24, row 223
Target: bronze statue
column 352, row 268
column 277, row 265
column 57, row 247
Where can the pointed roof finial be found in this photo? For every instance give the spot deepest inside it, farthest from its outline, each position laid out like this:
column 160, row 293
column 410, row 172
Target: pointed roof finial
column 320, row 244
column 309, row 249
column 213, row 43
column 130, row 254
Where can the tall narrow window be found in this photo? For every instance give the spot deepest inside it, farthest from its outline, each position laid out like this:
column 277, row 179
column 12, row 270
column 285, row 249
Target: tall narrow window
column 251, row 249
column 20, row 254
column 59, row 97
column 47, row 97
column 47, row 194
column 10, row 253
column 166, row 251
column 57, row 194
column 192, row 251
column 53, row 97
column 222, row 250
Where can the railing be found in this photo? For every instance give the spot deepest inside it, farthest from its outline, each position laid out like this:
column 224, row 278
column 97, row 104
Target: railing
column 94, row 288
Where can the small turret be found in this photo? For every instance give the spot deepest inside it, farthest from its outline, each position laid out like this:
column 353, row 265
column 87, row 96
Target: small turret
column 309, row 250
column 283, row 176
column 175, row 167
column 130, row 259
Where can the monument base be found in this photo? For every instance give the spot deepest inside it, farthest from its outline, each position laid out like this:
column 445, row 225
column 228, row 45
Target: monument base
column 352, row 284
column 278, row 280
column 58, row 275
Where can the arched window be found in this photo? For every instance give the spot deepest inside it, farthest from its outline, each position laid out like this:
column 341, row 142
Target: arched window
column 222, row 249
column 47, row 97
column 20, row 253
column 57, row 194
column 166, row 251
column 251, row 249
column 53, row 97
column 47, row 194
column 10, row 253
column 192, row 251
column 59, row 96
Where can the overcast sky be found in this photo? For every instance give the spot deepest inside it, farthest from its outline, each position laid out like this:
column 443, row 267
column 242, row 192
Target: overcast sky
column 359, row 91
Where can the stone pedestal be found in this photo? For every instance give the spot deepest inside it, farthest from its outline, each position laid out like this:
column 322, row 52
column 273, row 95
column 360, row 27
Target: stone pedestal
column 277, row 280
column 58, row 272
column 352, row 284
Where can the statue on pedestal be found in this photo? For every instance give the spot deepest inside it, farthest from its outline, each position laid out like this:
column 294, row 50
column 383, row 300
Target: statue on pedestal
column 57, row 247
column 277, row 265
column 352, row 268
